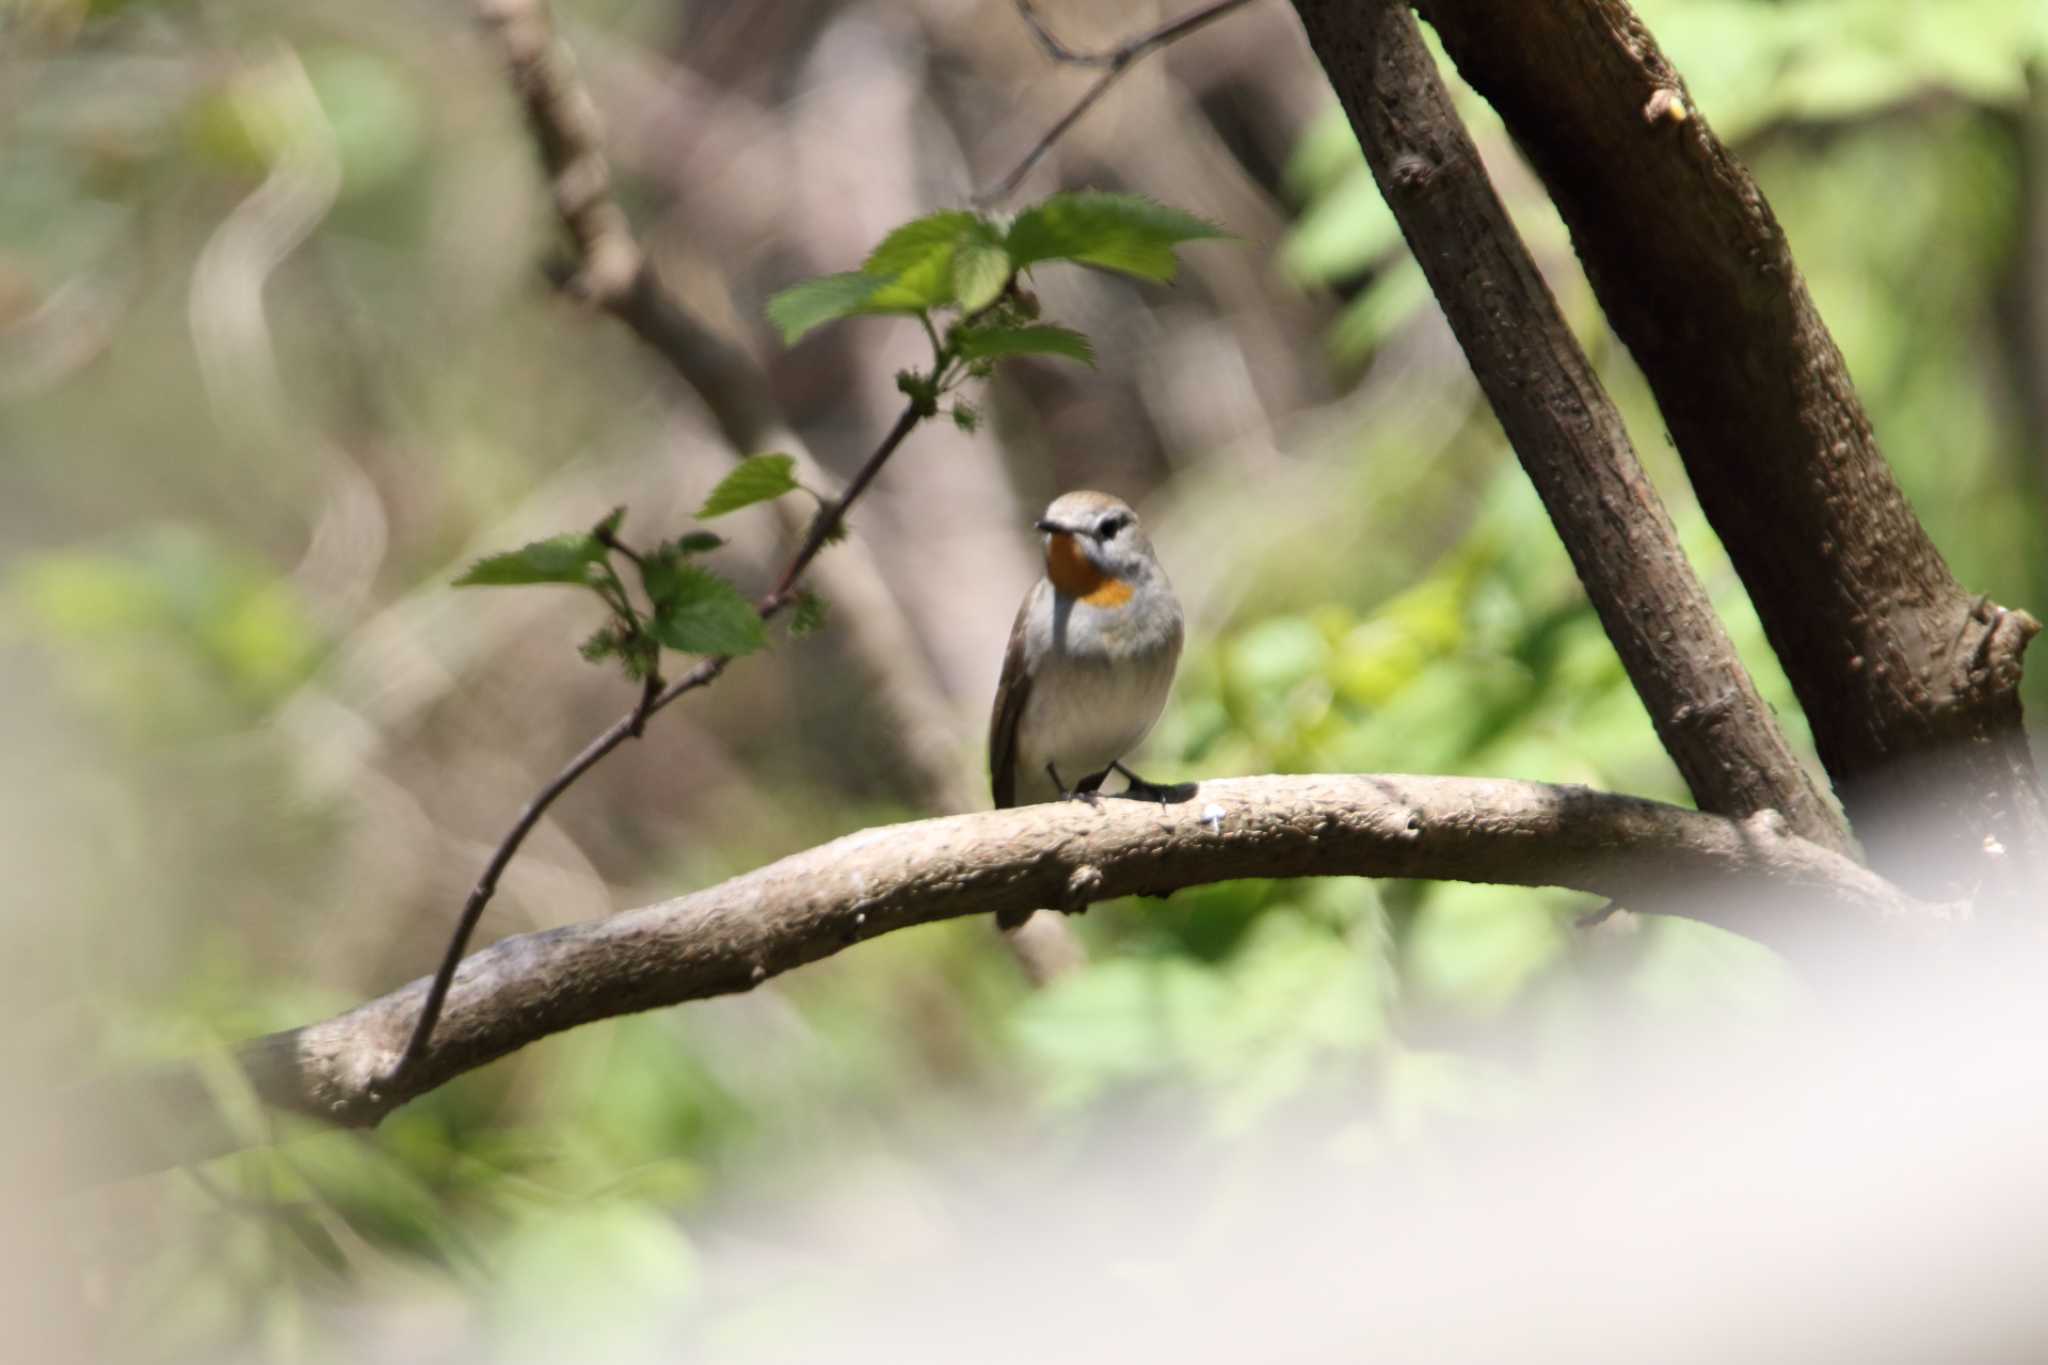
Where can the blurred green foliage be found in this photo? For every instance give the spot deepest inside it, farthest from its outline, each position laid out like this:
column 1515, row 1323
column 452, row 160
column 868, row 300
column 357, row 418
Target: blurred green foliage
column 1446, row 633
column 208, row 637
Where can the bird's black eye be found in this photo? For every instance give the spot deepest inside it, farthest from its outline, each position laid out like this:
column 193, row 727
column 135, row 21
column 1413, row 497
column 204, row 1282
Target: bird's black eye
column 1110, row 525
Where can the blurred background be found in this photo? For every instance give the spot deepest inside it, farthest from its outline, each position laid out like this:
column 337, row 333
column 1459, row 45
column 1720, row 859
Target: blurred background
column 278, row 358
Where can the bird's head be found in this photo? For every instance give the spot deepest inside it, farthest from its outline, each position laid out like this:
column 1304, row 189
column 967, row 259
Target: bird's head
column 1094, row 548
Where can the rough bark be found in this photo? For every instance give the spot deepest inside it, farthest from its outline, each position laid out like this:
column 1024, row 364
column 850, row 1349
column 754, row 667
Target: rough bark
column 1571, row 439
column 1910, row 682
column 1751, row 875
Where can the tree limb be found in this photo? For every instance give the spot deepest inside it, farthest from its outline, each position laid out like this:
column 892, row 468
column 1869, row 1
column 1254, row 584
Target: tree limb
column 1752, row 875
column 1725, row 740
column 1903, row 674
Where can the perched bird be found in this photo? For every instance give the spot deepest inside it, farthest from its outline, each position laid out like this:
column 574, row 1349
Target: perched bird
column 1090, row 661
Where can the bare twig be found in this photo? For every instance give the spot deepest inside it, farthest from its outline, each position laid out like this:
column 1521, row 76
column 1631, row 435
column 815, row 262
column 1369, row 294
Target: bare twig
column 609, row 269
column 1112, row 64
column 1751, row 875
column 652, row 698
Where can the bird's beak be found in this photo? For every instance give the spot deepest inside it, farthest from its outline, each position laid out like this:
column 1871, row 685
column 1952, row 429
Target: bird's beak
column 1044, row 525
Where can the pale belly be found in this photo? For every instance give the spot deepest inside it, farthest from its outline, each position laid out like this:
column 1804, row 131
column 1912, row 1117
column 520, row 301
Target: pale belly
column 1084, row 718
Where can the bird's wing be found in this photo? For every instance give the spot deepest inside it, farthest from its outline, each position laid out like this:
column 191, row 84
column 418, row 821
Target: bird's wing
column 1012, row 691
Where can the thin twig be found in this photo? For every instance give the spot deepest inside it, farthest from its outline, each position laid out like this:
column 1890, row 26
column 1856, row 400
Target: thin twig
column 1112, row 64
column 653, row 697
column 609, row 270
column 831, row 517
column 650, row 692
column 1054, row 48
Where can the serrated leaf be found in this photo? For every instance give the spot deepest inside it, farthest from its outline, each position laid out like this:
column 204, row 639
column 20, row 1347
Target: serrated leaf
column 815, row 302
column 754, row 479
column 705, row 614
column 918, row 243
column 559, row 559
column 989, row 343
column 808, row 616
column 660, row 573
column 980, row 270
column 915, row 262
column 1123, row 232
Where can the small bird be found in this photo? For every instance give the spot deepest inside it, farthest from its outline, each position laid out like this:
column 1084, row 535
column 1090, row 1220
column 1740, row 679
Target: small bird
column 1090, row 661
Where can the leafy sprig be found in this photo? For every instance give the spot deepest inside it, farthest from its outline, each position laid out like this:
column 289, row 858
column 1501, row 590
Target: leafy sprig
column 965, row 262
column 961, row 275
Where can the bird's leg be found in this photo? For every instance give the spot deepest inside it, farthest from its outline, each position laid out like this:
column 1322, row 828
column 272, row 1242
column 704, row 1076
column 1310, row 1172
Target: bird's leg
column 1139, row 788
column 1084, row 790
column 1068, row 793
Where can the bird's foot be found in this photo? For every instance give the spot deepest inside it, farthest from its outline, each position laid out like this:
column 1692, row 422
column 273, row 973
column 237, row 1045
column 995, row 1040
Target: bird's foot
column 1141, row 790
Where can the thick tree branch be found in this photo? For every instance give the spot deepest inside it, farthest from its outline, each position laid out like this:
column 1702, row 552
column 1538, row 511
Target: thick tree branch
column 1112, row 63
column 1752, row 875
column 1903, row 674
column 1724, row 739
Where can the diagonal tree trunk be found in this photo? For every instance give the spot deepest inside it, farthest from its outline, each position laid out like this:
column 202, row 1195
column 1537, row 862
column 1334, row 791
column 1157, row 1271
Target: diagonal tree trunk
column 1909, row 681
column 1564, row 427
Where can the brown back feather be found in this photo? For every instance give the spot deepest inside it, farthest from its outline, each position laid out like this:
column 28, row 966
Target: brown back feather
column 1012, row 691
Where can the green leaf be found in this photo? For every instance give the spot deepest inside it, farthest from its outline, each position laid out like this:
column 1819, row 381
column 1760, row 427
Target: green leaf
column 695, row 543
column 704, row 614
column 980, row 270
column 808, row 616
column 943, row 260
column 755, row 479
column 813, row 303
column 1044, row 339
column 915, row 262
column 562, row 559
column 919, row 243
column 610, row 525
column 1122, row 232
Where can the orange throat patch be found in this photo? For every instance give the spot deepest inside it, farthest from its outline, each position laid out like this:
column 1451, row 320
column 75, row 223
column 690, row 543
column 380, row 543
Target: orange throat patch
column 1076, row 576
